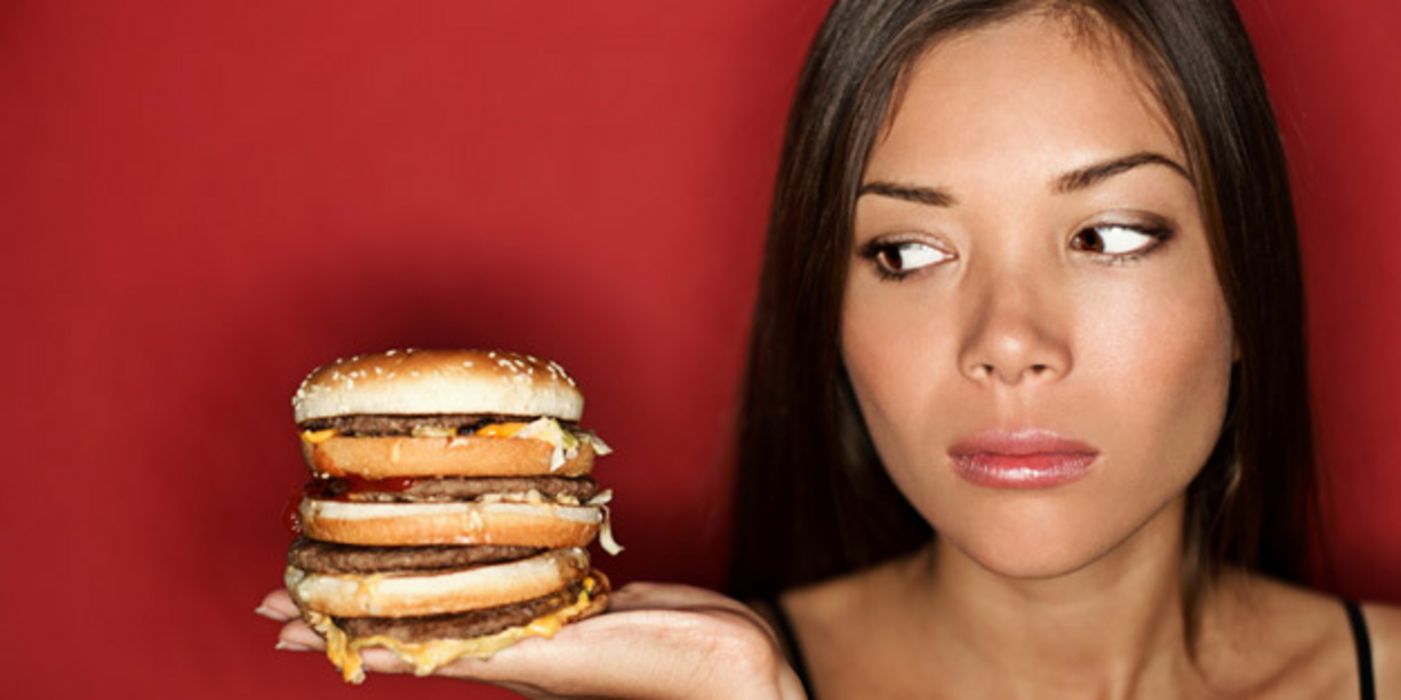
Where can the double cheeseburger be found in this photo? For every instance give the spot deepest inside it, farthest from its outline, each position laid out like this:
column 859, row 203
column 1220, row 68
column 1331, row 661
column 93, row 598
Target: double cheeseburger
column 449, row 507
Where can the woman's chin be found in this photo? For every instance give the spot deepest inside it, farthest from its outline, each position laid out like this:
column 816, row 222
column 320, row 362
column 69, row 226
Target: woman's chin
column 1020, row 563
column 1032, row 550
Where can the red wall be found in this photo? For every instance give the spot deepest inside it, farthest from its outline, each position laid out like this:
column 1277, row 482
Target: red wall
column 1334, row 72
column 201, row 201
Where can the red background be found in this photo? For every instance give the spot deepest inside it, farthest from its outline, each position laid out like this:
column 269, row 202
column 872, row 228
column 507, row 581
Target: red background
column 202, row 201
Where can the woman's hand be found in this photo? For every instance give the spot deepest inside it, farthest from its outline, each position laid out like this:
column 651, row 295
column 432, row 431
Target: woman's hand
column 655, row 641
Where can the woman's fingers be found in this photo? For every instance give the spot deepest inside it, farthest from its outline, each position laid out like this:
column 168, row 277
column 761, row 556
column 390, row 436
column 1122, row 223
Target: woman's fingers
column 643, row 595
column 278, row 605
column 297, row 634
column 629, row 653
column 382, row 660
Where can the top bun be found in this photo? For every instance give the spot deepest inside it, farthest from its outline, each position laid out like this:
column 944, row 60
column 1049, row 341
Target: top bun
column 400, row 382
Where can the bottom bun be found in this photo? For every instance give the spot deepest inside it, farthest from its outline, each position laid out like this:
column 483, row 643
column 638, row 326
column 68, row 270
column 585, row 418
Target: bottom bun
column 428, row 655
column 411, row 594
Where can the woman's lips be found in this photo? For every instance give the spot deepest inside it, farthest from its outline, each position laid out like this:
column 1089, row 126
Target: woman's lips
column 1023, row 459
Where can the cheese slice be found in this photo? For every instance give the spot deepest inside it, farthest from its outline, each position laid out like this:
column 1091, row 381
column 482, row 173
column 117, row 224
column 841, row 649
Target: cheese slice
column 426, row 657
column 501, row 430
column 316, row 437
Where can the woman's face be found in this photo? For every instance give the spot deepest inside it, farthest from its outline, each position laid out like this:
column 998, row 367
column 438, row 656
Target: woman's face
column 993, row 289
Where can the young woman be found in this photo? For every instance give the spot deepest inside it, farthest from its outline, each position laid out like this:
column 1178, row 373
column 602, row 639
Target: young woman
column 1026, row 409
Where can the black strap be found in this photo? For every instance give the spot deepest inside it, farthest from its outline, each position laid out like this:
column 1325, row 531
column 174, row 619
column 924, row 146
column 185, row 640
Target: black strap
column 1364, row 648
column 790, row 640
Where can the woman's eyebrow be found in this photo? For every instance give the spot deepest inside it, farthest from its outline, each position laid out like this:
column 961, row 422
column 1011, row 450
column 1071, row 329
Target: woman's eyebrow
column 910, row 193
column 1072, row 181
column 1089, row 175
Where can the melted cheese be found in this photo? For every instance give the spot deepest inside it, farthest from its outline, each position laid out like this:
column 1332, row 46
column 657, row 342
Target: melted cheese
column 547, row 430
column 316, row 437
column 365, row 590
column 426, row 657
column 501, row 430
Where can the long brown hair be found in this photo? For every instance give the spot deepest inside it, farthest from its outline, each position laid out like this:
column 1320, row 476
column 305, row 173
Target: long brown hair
column 812, row 499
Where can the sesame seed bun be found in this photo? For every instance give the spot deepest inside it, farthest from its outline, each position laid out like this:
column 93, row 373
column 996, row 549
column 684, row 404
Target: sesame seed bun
column 409, row 382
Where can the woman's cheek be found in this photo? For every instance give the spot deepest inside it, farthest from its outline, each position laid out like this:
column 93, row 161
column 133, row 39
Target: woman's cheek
column 1166, row 342
column 896, row 353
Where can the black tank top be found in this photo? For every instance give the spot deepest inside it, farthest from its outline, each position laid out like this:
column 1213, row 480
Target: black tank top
column 1361, row 641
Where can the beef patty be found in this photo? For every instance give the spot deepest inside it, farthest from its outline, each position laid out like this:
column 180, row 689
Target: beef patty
column 330, row 558
column 464, row 625
column 455, row 488
column 463, row 423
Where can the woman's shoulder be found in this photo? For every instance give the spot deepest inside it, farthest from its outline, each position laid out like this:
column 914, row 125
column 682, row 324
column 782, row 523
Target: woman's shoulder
column 1384, row 628
column 1271, row 638
column 843, row 643
column 1305, row 640
column 810, row 612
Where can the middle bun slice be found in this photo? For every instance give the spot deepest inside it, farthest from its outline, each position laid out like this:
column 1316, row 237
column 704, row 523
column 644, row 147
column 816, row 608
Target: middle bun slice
column 547, row 525
column 380, row 457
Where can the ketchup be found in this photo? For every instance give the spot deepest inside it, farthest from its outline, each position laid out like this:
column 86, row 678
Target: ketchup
column 289, row 511
column 338, row 487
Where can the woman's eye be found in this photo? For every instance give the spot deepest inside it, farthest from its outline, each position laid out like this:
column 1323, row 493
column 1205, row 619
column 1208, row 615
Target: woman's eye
column 1116, row 240
column 895, row 260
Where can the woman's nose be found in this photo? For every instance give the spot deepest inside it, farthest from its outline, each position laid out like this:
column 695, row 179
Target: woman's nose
column 1015, row 329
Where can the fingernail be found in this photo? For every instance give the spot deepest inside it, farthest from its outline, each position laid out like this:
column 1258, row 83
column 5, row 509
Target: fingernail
column 271, row 614
column 290, row 646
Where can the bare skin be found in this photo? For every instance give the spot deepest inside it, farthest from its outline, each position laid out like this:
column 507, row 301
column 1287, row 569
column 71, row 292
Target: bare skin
column 1264, row 640
column 1010, row 316
column 1028, row 296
